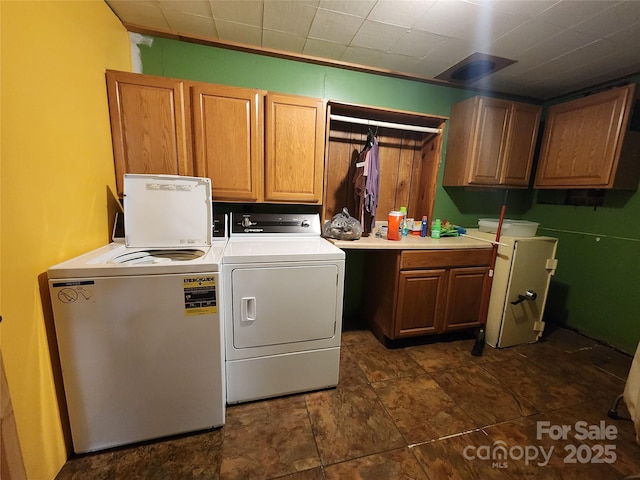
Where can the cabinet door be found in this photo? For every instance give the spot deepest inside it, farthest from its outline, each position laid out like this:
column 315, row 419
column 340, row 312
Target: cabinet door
column 582, row 140
column 464, row 299
column 420, row 302
column 148, row 126
column 294, row 149
column 521, row 144
column 490, row 142
column 228, row 140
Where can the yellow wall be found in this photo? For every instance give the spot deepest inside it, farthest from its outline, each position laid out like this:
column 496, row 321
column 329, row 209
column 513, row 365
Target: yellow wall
column 56, row 174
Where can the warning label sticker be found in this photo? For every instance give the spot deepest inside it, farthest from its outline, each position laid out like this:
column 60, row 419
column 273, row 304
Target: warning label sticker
column 71, row 292
column 200, row 295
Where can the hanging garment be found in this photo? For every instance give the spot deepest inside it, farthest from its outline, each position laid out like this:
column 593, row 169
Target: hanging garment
column 359, row 186
column 372, row 187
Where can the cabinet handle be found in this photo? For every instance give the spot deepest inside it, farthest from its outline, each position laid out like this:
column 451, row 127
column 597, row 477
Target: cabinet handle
column 529, row 295
column 248, row 309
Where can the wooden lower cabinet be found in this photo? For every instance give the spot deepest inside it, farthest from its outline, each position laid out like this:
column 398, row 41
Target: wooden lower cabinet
column 409, row 293
column 420, row 309
column 465, row 293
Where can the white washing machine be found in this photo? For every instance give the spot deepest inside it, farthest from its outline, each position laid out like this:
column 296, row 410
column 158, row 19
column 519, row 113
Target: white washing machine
column 282, row 306
column 138, row 325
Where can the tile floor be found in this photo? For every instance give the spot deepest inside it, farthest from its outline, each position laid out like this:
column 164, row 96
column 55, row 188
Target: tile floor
column 430, row 411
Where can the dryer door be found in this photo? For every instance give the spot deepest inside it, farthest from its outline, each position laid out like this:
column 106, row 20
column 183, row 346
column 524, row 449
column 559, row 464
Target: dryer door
column 275, row 304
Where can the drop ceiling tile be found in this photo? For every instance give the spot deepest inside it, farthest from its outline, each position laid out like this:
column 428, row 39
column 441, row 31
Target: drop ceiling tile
column 238, row 32
column 524, row 37
column 377, row 36
column 193, row 24
column 539, row 74
column 359, row 8
column 248, row 12
column 430, row 68
column 630, row 36
column 565, row 42
column 129, row 6
column 335, row 27
column 399, row 63
column 323, row 49
column 288, row 16
column 617, row 17
column 584, row 75
column 360, row 56
column 139, row 13
column 418, row 44
column 620, row 72
column 527, row 9
column 452, row 51
column 193, row 7
column 566, row 15
column 618, row 61
column 446, row 17
column 490, row 26
column 492, row 83
column 584, row 55
column 286, row 42
column 404, row 13
column 544, row 91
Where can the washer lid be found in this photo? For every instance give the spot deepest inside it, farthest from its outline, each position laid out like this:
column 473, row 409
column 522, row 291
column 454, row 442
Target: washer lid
column 167, row 211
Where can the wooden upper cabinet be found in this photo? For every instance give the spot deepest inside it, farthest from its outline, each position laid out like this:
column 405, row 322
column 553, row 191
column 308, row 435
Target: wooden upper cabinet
column 294, row 149
column 228, row 140
column 523, row 132
column 491, row 143
column 591, row 142
column 149, row 131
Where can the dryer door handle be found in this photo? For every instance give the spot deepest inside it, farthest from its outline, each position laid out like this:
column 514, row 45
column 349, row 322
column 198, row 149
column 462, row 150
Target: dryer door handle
column 248, row 309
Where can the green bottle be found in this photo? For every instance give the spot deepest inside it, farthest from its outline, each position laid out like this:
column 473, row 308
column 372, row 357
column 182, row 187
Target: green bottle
column 436, row 228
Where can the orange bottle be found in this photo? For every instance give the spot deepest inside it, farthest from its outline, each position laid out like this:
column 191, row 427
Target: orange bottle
column 395, row 222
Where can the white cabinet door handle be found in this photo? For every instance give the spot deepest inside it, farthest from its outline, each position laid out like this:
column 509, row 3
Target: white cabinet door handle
column 248, row 309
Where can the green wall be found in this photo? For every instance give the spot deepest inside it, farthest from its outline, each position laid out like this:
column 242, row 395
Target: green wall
column 599, row 249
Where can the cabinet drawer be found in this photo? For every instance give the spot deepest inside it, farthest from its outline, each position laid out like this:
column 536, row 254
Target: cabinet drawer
column 412, row 259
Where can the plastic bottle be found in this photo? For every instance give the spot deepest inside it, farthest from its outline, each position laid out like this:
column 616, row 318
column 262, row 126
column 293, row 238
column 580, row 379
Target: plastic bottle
column 393, row 228
column 436, row 228
column 424, row 227
column 404, row 227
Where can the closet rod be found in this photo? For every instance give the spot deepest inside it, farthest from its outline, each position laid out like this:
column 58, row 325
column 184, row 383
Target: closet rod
column 375, row 123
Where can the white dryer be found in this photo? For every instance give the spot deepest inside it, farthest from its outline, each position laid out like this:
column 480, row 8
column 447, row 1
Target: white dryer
column 282, row 306
column 138, row 324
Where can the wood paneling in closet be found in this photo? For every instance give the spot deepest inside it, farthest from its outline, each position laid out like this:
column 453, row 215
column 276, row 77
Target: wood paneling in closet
column 409, row 162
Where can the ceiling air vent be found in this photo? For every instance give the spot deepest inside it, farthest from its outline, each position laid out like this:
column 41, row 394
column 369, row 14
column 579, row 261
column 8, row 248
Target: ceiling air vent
column 474, row 67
